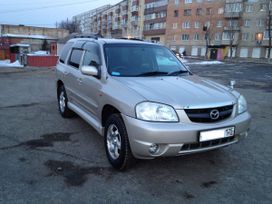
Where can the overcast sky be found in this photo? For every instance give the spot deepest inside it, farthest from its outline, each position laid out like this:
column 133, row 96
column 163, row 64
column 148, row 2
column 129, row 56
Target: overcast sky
column 46, row 12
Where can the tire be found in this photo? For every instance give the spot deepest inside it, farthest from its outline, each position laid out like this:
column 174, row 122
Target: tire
column 117, row 143
column 62, row 103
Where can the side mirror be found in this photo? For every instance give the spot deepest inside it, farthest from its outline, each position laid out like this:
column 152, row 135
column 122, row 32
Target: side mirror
column 89, row 70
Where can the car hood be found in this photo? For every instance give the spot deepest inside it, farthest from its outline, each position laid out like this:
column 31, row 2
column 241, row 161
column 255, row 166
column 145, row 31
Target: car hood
column 181, row 92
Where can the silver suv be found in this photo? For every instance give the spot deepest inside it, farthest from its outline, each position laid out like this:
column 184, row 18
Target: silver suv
column 144, row 101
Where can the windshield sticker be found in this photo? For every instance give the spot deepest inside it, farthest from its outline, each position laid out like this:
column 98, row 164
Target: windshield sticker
column 115, row 73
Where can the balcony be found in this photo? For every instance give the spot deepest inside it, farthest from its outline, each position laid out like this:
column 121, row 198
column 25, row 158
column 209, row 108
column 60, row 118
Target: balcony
column 232, row 14
column 135, row 2
column 155, row 32
column 155, row 9
column 134, row 8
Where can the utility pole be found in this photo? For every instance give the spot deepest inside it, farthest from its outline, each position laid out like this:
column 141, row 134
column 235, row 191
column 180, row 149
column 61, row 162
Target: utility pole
column 269, row 28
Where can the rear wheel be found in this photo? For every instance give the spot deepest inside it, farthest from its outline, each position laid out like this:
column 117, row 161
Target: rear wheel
column 117, row 143
column 62, row 103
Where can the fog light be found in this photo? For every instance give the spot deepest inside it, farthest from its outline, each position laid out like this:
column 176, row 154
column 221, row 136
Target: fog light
column 153, row 148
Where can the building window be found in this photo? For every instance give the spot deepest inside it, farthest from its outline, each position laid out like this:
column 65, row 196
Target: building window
column 247, row 23
column 185, row 37
column 227, row 36
column 188, row 1
column 175, row 25
column 175, row 13
column 197, row 24
column 233, row 7
column 263, row 7
column 219, row 24
column 218, row 36
column 208, row 11
column 186, row 25
column 176, row 2
column 249, row 8
column 207, row 24
column 220, row 10
column 196, row 36
column 233, row 23
column 187, row 12
column 245, row 36
column 199, row 11
column 260, row 22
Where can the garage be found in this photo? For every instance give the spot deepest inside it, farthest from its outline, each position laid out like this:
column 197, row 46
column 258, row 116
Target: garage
column 244, row 52
column 256, row 52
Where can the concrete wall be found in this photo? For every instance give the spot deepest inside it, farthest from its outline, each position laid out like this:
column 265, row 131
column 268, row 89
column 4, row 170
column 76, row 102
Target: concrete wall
column 30, row 30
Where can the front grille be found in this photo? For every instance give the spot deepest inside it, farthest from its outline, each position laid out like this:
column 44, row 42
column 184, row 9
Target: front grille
column 199, row 145
column 203, row 115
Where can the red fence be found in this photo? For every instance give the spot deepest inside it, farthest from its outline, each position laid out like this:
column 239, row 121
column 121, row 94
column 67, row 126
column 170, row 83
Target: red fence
column 42, row 61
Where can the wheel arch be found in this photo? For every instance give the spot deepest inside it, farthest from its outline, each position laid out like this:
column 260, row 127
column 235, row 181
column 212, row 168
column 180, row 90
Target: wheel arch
column 106, row 112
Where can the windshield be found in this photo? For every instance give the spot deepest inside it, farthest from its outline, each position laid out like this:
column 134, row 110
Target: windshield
column 130, row 60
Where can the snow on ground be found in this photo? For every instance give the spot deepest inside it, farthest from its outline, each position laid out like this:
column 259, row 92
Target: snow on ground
column 206, row 62
column 6, row 63
column 38, row 53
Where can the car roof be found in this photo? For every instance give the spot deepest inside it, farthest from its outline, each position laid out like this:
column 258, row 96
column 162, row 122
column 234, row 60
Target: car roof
column 113, row 41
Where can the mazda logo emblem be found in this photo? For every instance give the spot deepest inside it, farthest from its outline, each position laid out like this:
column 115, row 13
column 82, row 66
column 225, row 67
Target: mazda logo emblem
column 214, row 114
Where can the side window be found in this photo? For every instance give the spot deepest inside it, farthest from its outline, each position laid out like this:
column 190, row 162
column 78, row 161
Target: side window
column 75, row 58
column 92, row 54
column 65, row 52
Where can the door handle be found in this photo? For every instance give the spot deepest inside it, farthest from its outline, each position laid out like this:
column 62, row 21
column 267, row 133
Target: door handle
column 79, row 80
column 65, row 73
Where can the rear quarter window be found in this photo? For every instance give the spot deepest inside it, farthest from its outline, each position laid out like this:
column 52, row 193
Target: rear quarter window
column 65, row 52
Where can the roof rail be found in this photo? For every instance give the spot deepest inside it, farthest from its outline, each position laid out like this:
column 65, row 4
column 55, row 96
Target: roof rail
column 93, row 35
column 124, row 38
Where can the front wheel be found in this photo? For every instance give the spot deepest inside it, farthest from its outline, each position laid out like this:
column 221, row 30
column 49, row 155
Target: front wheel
column 117, row 143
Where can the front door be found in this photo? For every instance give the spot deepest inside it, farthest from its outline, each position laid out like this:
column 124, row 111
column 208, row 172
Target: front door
column 214, row 54
column 90, row 86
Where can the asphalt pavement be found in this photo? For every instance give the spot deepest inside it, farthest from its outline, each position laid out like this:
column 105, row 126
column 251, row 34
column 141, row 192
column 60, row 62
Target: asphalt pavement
column 47, row 159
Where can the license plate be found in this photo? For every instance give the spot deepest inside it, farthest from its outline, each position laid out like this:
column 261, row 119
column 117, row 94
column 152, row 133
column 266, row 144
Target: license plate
column 216, row 134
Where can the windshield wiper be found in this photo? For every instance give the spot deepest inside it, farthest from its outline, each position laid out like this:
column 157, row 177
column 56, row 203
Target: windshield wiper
column 175, row 73
column 154, row 73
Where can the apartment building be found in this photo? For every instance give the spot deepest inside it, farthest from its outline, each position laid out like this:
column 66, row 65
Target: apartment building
column 136, row 18
column 193, row 26
column 254, row 29
column 155, row 12
column 211, row 28
column 85, row 19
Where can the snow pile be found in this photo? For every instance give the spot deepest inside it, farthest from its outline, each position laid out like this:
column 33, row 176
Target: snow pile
column 6, row 63
column 206, row 62
column 39, row 53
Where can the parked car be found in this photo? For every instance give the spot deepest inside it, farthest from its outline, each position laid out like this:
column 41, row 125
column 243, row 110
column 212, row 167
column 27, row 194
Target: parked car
column 178, row 54
column 144, row 101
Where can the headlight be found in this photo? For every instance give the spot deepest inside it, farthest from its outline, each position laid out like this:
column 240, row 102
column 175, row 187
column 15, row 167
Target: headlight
column 158, row 112
column 242, row 104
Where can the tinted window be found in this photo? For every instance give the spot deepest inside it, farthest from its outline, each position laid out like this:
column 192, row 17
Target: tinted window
column 92, row 54
column 65, row 52
column 75, row 57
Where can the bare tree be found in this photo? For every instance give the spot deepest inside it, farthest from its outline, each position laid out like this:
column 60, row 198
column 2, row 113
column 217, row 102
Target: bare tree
column 71, row 25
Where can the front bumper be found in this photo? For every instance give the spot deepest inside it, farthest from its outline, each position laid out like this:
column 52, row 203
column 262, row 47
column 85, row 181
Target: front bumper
column 179, row 138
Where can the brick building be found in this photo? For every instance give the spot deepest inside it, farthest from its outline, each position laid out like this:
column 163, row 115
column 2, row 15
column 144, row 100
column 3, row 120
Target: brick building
column 155, row 20
column 212, row 28
column 192, row 26
column 255, row 22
